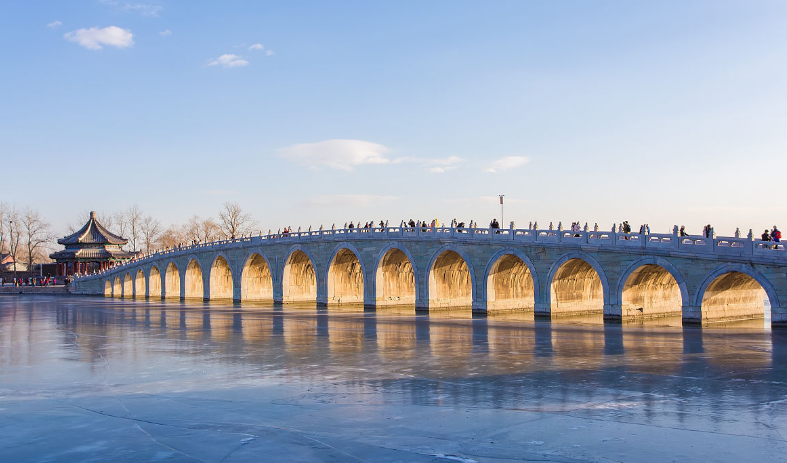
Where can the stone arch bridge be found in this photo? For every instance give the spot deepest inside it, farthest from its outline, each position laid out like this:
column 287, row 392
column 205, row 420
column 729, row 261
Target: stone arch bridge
column 550, row 272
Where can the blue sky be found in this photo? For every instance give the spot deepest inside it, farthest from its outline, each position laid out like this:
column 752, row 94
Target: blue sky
column 671, row 112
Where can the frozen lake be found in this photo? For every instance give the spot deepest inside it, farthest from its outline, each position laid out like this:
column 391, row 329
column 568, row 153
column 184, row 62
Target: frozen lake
column 92, row 379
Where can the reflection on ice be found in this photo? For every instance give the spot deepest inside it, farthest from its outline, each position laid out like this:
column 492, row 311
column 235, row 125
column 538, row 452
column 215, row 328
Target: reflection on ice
column 417, row 380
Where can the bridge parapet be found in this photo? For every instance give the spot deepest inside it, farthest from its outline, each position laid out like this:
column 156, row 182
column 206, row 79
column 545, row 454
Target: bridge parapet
column 693, row 245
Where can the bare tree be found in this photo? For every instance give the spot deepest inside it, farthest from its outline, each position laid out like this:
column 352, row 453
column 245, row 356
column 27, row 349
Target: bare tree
column 37, row 233
column 121, row 222
column 171, row 237
column 235, row 222
column 202, row 230
column 150, row 229
column 14, row 234
column 3, row 220
column 209, row 230
column 134, row 216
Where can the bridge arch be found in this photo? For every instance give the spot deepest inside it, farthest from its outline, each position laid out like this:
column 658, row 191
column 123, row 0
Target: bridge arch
column 345, row 275
column 256, row 278
column 154, row 282
column 107, row 288
column 510, row 281
column 576, row 283
column 221, row 282
column 128, row 286
column 396, row 276
column 172, row 281
column 117, row 287
column 451, row 278
column 139, row 284
column 651, row 286
column 194, row 282
column 734, row 291
column 299, row 277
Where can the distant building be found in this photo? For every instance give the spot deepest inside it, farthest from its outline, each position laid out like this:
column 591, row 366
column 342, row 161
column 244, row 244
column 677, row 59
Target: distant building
column 7, row 264
column 90, row 249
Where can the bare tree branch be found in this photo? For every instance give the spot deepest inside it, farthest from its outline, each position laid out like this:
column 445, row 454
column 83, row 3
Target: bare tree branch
column 235, row 222
column 171, row 237
column 14, row 234
column 3, row 219
column 37, row 233
column 202, row 230
column 134, row 216
column 150, row 229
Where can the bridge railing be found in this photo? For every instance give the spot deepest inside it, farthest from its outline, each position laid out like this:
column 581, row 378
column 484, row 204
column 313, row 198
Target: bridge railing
column 693, row 244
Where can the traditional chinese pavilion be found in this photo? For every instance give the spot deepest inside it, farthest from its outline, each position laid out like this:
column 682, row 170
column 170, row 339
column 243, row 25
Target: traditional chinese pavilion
column 90, row 249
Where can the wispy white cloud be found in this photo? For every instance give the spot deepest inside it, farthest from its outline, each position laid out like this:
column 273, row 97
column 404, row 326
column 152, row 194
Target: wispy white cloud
column 54, row 24
column 434, row 165
column 348, row 201
column 261, row 47
column 94, row 38
column 336, row 154
column 145, row 9
column 506, row 163
column 228, row 61
column 165, row 33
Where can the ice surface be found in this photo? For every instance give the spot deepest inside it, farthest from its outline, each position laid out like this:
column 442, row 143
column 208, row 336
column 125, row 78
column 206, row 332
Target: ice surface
column 91, row 379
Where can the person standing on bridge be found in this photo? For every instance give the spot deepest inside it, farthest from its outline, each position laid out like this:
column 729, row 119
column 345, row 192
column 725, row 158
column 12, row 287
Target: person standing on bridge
column 765, row 235
column 776, row 236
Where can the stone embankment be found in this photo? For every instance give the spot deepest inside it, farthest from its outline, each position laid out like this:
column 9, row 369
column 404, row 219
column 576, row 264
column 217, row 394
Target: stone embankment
column 48, row 290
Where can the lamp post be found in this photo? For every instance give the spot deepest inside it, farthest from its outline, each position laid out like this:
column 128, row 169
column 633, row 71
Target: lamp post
column 502, row 222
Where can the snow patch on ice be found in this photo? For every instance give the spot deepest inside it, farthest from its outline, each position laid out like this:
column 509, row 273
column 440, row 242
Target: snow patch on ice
column 454, row 458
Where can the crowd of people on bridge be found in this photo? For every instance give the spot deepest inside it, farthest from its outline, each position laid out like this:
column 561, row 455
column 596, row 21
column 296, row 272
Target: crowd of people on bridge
column 31, row 281
column 774, row 235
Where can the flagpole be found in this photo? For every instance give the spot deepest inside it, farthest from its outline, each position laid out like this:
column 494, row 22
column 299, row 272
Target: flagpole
column 502, row 222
